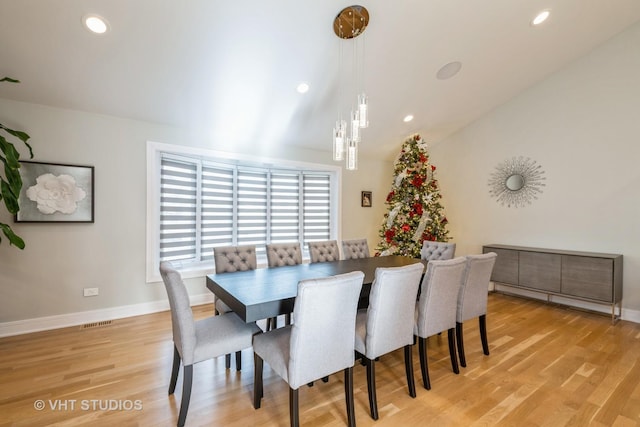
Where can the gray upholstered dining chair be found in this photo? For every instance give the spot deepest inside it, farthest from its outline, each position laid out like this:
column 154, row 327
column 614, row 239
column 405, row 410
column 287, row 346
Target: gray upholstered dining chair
column 324, row 251
column 387, row 324
column 437, row 250
column 472, row 299
column 318, row 344
column 195, row 341
column 436, row 309
column 229, row 259
column 280, row 255
column 355, row 248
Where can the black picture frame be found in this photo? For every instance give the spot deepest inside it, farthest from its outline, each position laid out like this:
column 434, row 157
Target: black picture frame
column 366, row 199
column 56, row 192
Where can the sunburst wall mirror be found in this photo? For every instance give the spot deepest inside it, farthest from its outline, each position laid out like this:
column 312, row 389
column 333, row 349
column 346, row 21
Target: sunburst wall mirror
column 516, row 182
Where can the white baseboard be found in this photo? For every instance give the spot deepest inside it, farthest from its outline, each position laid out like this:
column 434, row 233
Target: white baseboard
column 74, row 319
column 627, row 314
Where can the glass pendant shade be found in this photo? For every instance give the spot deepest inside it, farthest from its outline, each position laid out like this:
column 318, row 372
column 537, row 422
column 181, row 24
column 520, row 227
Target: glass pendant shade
column 355, row 126
column 339, row 133
column 362, row 110
column 352, row 155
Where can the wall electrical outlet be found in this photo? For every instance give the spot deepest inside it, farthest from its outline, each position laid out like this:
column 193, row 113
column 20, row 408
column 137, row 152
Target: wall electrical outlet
column 90, row 292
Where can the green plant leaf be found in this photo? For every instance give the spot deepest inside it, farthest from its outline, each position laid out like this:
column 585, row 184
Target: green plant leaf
column 13, row 179
column 9, row 79
column 14, row 239
column 9, row 150
column 10, row 200
column 22, row 136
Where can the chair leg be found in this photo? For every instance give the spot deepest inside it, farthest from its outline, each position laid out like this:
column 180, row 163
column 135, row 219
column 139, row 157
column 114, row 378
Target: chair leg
column 174, row 370
column 371, row 387
column 227, row 361
column 483, row 333
column 348, row 392
column 422, row 350
column 287, row 319
column 186, row 394
column 408, row 364
column 294, row 416
column 451, row 335
column 257, row 380
column 460, row 340
column 238, row 360
column 272, row 323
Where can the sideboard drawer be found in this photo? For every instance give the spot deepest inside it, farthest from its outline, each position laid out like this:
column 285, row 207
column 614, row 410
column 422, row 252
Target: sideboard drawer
column 587, row 277
column 540, row 271
column 505, row 269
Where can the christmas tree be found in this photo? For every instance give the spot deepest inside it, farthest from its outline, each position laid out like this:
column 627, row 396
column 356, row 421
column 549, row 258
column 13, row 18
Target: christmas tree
column 415, row 213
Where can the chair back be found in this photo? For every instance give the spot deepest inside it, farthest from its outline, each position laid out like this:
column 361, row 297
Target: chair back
column 281, row 254
column 439, row 296
column 437, row 250
column 229, row 259
column 182, row 323
column 322, row 340
column 472, row 298
column 392, row 302
column 355, row 248
column 324, row 251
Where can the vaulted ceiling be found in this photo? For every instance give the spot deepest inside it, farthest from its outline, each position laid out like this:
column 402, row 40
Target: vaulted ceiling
column 227, row 71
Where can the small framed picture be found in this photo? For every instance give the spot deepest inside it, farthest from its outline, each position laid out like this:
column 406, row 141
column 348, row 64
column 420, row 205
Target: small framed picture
column 365, row 199
column 53, row 192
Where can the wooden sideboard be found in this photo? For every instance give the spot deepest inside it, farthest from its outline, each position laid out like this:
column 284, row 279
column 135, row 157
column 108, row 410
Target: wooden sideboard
column 587, row 276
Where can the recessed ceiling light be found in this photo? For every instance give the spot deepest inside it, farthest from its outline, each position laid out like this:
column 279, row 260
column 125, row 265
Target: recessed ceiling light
column 449, row 70
column 303, row 88
column 95, row 24
column 407, row 118
column 541, row 17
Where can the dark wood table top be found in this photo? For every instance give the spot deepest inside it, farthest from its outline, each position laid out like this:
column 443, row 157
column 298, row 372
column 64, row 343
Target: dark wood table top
column 268, row 292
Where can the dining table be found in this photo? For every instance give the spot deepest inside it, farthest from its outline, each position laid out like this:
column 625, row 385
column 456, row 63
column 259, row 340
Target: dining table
column 268, row 292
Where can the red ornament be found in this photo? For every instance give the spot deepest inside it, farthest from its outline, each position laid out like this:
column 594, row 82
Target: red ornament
column 417, row 181
column 389, row 234
column 417, row 208
column 422, row 158
column 389, row 196
column 433, row 168
column 405, row 227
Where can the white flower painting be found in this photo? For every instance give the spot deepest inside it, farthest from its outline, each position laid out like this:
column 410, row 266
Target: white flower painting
column 56, row 194
column 53, row 192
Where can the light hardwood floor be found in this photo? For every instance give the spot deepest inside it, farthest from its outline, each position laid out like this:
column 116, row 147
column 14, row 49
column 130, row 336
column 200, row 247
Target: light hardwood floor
column 549, row 366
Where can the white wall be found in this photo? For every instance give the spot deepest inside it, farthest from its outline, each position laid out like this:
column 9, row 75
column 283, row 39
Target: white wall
column 582, row 125
column 47, row 278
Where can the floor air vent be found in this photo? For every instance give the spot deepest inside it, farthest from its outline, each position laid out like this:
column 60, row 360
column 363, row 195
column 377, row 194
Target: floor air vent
column 96, row 324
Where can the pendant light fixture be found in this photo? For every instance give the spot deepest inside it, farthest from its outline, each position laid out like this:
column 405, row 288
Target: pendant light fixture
column 349, row 24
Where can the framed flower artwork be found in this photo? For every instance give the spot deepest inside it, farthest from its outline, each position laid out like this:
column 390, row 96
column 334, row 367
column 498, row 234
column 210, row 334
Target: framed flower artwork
column 53, row 192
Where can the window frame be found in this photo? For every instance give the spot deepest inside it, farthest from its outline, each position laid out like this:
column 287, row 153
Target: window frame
column 154, row 152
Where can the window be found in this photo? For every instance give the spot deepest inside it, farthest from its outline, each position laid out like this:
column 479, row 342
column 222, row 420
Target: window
column 201, row 202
